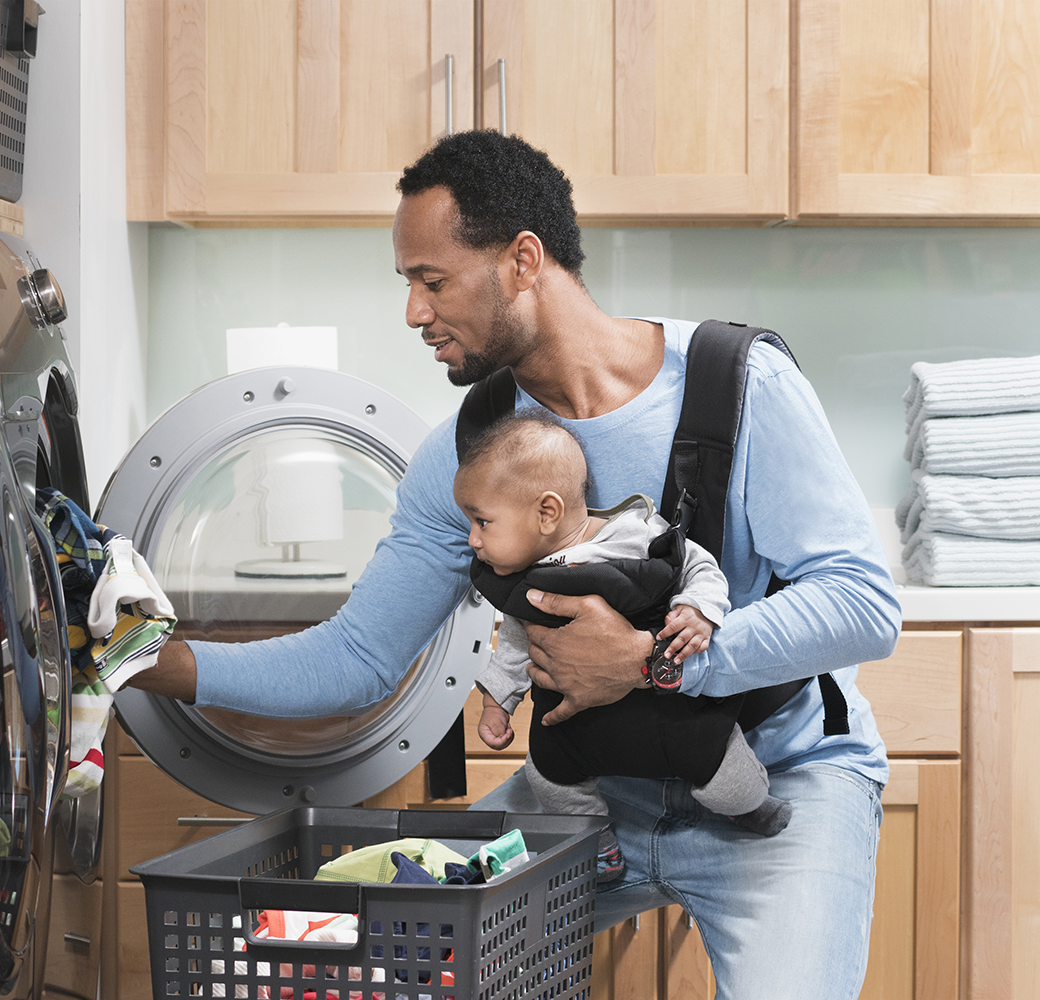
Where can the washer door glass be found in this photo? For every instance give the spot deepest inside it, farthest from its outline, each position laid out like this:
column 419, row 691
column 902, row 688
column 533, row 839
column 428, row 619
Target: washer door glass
column 256, row 521
column 265, row 541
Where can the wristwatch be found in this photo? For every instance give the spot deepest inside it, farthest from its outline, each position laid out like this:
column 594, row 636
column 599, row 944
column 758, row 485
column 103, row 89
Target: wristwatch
column 660, row 672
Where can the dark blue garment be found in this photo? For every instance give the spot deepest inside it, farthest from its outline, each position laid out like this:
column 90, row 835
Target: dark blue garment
column 80, row 545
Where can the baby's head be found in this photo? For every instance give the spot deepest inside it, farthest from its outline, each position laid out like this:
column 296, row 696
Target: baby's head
column 522, row 486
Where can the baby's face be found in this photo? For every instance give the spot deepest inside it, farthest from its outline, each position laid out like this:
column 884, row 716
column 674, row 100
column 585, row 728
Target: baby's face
column 503, row 529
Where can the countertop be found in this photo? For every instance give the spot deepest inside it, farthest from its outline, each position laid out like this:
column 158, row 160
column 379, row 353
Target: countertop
column 953, row 604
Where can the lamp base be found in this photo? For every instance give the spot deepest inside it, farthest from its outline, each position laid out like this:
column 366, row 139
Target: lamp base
column 297, row 569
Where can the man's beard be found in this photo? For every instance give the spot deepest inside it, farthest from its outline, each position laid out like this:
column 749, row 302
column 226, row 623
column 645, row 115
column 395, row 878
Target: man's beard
column 475, row 366
column 503, row 337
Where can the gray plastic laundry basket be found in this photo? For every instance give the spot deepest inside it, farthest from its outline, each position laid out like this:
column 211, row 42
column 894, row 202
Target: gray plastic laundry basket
column 526, row 934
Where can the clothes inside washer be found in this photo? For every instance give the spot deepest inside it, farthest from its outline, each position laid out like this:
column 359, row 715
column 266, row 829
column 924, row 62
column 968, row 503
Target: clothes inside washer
column 117, row 618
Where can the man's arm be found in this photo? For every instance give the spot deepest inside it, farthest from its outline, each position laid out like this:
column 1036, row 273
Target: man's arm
column 357, row 658
column 173, row 675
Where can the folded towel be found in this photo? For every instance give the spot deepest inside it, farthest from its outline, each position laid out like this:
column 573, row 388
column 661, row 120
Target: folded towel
column 975, row 386
column 971, row 505
column 944, row 560
column 998, row 445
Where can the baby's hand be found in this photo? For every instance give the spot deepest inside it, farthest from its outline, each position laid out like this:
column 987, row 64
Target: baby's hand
column 494, row 728
column 691, row 629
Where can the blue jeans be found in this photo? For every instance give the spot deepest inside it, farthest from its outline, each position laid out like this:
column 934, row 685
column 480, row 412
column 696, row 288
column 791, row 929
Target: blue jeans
column 781, row 917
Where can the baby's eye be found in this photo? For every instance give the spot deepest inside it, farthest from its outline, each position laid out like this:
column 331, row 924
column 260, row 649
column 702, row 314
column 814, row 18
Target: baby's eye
column 480, row 522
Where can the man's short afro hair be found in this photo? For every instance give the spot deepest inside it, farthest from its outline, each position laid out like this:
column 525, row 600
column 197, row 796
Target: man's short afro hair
column 502, row 186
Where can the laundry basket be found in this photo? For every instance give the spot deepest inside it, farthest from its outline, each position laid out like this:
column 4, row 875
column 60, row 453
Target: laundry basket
column 525, row 934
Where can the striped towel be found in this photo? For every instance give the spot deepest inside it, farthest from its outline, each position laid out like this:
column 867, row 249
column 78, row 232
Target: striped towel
column 975, row 386
column 943, row 560
column 971, row 505
column 91, row 705
column 1006, row 444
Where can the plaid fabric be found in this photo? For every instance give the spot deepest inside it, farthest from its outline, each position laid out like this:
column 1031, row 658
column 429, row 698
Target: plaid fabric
column 101, row 664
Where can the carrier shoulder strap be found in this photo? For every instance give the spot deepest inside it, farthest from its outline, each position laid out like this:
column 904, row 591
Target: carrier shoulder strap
column 698, row 478
column 489, row 399
column 702, row 449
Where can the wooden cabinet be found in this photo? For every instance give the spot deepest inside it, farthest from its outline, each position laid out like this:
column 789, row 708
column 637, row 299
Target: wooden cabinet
column 657, row 110
column 300, row 112
column 306, row 111
column 73, row 939
column 286, row 111
column 1002, row 814
column 917, row 108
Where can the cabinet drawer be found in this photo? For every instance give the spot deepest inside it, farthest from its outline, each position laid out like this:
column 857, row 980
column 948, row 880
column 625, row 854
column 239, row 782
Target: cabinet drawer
column 149, row 804
column 74, row 942
column 916, row 693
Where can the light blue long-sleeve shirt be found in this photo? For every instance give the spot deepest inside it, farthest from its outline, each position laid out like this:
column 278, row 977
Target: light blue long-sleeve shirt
column 793, row 508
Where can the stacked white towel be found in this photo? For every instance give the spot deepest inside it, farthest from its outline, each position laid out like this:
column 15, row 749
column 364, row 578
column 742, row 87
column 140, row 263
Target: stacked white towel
column 971, row 517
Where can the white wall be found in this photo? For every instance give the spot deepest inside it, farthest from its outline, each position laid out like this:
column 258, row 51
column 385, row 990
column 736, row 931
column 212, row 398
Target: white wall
column 74, row 200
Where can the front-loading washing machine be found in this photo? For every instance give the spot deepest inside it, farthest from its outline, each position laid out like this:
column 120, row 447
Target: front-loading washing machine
column 45, row 840
column 257, row 501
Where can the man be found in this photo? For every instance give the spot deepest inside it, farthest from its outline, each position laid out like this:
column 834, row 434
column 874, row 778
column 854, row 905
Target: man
column 487, row 240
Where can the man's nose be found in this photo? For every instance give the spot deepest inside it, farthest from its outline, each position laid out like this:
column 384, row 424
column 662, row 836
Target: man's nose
column 417, row 312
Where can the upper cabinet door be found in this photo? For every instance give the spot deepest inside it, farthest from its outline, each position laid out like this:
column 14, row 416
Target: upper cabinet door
column 658, row 110
column 287, row 110
column 918, row 108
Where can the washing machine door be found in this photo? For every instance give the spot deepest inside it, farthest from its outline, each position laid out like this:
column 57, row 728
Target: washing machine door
column 34, row 735
column 257, row 501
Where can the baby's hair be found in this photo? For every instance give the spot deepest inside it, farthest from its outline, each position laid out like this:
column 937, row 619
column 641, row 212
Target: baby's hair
column 535, row 449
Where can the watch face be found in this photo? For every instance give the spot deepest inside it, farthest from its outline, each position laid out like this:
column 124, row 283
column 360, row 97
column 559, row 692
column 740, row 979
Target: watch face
column 666, row 674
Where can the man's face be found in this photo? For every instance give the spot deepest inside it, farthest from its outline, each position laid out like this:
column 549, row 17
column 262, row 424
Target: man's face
column 455, row 292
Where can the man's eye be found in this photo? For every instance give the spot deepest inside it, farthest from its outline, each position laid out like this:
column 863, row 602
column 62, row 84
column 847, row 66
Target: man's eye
column 435, row 285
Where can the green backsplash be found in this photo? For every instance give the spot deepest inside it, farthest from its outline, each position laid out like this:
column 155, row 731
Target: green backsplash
column 856, row 306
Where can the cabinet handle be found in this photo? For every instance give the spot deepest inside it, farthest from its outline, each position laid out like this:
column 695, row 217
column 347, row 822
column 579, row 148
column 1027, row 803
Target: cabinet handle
column 211, row 820
column 449, row 94
column 77, row 939
column 689, row 921
column 635, row 924
column 502, row 97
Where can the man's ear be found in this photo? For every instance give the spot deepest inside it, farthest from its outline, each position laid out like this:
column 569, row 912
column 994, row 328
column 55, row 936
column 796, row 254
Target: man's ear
column 526, row 257
column 550, row 512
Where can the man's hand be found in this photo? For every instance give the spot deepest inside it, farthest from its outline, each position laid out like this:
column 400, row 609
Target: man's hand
column 173, row 675
column 594, row 660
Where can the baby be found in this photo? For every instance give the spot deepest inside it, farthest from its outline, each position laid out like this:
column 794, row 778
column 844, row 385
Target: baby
column 522, row 486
